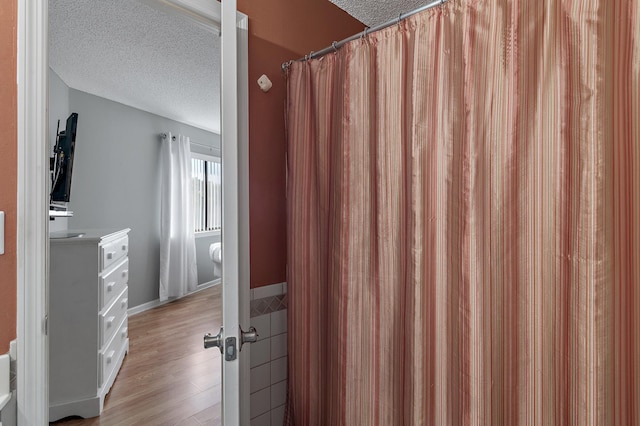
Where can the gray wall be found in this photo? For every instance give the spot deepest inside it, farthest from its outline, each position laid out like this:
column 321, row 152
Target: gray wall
column 116, row 180
column 58, row 106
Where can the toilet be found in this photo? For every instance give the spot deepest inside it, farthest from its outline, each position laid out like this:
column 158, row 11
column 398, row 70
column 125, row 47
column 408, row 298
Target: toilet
column 215, row 252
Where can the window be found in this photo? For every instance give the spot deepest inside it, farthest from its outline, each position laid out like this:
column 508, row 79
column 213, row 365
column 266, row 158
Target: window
column 206, row 174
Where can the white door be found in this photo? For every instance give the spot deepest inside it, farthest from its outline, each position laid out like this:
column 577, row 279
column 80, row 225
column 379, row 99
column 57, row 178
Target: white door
column 235, row 222
column 32, row 236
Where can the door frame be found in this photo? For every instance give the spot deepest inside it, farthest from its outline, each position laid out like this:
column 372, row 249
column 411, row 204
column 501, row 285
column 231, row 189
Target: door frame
column 32, row 245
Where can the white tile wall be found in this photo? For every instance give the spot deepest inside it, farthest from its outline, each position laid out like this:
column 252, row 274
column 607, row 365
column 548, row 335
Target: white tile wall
column 278, row 371
column 278, row 394
column 277, row 416
column 263, row 420
column 269, row 369
column 260, row 352
column 261, row 377
column 278, row 346
column 268, row 291
column 262, row 323
column 260, row 402
column 278, row 322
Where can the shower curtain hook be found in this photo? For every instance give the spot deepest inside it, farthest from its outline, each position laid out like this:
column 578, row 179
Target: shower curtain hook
column 335, row 47
column 399, row 19
column 364, row 33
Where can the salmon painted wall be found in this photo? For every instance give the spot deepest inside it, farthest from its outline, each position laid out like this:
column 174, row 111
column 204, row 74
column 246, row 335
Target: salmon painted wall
column 279, row 30
column 8, row 169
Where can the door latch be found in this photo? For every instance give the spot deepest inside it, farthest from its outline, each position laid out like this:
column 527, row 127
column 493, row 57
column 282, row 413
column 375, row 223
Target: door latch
column 214, row 341
column 228, row 346
column 230, row 352
column 249, row 336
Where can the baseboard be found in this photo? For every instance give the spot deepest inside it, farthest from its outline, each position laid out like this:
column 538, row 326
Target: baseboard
column 155, row 303
column 207, row 285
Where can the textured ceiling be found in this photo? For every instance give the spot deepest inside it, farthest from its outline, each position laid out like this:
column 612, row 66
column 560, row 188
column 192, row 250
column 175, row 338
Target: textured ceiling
column 376, row 12
column 135, row 54
column 129, row 52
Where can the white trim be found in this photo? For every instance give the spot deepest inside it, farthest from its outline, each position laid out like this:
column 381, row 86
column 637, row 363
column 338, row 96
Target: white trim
column 268, row 291
column 243, row 209
column 206, row 157
column 205, row 234
column 208, row 284
column 32, row 230
column 196, row 11
column 230, row 208
column 155, row 303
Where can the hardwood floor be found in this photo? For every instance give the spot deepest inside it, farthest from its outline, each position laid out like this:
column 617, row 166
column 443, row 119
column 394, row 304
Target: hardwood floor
column 167, row 377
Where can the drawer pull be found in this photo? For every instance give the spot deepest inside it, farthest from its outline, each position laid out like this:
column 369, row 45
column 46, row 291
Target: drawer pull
column 124, row 247
column 110, row 321
column 124, row 273
column 110, row 255
column 124, row 302
column 124, row 332
column 110, row 356
column 110, row 286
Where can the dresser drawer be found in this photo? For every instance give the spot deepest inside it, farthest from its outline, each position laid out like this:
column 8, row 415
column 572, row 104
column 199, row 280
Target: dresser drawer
column 111, row 252
column 110, row 355
column 112, row 283
column 110, row 320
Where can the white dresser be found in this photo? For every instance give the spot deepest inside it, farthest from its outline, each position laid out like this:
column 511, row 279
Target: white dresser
column 88, row 335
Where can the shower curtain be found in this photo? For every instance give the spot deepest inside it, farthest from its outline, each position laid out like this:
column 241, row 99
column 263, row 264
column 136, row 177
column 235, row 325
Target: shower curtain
column 464, row 220
column 178, row 267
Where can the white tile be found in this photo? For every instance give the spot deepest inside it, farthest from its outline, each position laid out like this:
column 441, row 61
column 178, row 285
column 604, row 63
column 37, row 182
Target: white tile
column 263, row 420
column 278, row 394
column 278, row 346
column 277, row 416
column 262, row 323
column 267, row 291
column 260, row 377
column 278, row 370
column 260, row 352
column 279, row 322
column 260, row 402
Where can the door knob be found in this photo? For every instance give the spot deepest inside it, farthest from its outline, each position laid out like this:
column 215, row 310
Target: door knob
column 249, row 336
column 211, row 341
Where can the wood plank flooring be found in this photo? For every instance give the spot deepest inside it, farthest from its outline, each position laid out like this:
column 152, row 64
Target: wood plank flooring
column 167, row 378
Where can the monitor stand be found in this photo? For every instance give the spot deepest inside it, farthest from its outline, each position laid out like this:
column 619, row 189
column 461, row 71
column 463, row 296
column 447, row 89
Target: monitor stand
column 59, row 210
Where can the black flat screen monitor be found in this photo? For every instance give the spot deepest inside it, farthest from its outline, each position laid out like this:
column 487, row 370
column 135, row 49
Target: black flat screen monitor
column 63, row 166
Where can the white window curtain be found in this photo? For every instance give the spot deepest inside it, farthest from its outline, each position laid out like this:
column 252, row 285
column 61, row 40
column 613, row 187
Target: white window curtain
column 178, row 268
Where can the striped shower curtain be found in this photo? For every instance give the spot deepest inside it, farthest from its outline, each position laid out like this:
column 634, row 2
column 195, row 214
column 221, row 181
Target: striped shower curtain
column 464, row 220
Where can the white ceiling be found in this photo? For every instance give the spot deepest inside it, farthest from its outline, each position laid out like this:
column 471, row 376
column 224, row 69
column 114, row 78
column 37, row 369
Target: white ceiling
column 129, row 52
column 141, row 56
column 376, row 12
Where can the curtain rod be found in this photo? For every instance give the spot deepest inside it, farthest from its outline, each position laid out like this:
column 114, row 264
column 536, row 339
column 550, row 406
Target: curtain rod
column 173, row 138
column 338, row 44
